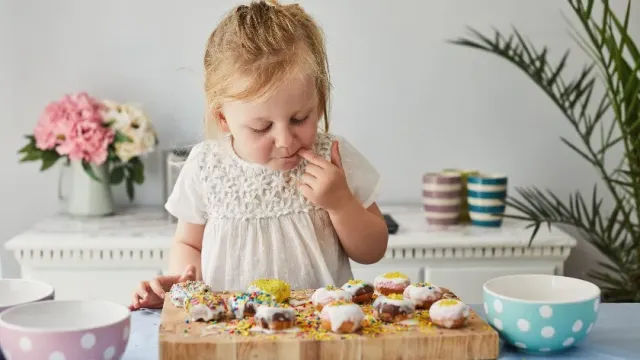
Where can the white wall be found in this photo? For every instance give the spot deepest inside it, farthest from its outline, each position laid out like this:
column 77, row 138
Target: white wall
column 407, row 99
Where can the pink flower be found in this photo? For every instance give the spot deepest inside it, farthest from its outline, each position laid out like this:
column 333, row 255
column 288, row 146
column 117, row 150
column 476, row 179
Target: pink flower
column 74, row 126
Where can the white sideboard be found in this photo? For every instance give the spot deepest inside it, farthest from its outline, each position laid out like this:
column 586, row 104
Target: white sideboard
column 106, row 258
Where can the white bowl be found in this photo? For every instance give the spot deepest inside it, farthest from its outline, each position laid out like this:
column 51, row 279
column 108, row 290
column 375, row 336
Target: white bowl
column 15, row 292
column 70, row 330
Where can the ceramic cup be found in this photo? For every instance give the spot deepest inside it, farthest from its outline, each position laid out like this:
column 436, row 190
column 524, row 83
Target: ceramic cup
column 486, row 194
column 541, row 314
column 464, row 209
column 441, row 198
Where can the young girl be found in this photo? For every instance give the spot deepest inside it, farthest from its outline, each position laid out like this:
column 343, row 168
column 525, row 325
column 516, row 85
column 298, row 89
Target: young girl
column 268, row 195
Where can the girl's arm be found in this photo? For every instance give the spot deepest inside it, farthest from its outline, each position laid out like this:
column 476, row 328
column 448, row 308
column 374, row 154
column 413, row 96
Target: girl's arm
column 186, row 248
column 362, row 232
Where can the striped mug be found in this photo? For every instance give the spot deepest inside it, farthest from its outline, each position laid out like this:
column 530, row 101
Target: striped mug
column 441, row 198
column 464, row 208
column 486, row 195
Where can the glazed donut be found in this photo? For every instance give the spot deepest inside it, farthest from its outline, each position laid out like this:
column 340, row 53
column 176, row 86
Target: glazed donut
column 324, row 295
column 393, row 308
column 422, row 294
column 360, row 290
column 182, row 290
column 275, row 317
column 279, row 289
column 391, row 283
column 449, row 313
column 205, row 306
column 341, row 316
column 246, row 304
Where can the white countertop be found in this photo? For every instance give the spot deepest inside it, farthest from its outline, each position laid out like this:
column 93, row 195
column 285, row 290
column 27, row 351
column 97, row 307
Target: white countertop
column 151, row 227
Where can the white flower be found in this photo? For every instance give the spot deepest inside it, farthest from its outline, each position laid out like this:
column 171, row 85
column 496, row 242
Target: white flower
column 132, row 122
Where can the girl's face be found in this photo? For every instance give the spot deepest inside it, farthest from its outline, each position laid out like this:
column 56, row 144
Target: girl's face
column 270, row 132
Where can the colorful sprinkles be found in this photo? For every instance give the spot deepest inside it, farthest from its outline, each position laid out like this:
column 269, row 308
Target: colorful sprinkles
column 308, row 323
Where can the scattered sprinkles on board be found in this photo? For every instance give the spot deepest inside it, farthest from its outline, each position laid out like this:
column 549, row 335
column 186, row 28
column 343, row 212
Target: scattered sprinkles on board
column 308, row 322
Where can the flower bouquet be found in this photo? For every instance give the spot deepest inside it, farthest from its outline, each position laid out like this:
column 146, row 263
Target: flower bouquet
column 96, row 134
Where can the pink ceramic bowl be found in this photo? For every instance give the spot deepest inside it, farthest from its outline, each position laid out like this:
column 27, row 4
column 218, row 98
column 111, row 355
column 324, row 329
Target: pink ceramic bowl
column 65, row 330
column 15, row 292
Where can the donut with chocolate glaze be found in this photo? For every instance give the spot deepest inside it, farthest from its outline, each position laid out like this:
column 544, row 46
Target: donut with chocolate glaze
column 393, row 308
column 246, row 304
column 422, row 294
column 360, row 290
column 275, row 318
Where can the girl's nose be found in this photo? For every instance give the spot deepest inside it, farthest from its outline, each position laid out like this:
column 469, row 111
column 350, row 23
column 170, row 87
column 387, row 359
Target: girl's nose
column 283, row 138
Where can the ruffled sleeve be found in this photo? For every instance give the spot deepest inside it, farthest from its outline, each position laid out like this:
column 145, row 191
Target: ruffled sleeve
column 362, row 177
column 187, row 201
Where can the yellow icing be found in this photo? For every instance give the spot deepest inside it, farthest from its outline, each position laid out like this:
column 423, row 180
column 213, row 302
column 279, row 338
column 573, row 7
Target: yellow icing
column 280, row 290
column 330, row 287
column 395, row 297
column 354, row 282
column 448, row 302
column 395, row 275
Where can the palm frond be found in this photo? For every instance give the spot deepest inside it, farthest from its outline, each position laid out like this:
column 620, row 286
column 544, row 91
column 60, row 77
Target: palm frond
column 614, row 115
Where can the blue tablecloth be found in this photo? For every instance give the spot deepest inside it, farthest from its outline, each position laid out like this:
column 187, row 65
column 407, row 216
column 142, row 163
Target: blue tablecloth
column 616, row 335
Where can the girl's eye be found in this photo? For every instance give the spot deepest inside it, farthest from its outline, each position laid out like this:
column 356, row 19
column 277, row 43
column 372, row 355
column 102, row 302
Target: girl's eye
column 265, row 129
column 299, row 121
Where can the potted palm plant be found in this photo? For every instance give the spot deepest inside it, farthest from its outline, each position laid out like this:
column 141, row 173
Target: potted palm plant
column 603, row 122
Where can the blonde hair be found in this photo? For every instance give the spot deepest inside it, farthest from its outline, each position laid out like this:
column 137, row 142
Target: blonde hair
column 266, row 43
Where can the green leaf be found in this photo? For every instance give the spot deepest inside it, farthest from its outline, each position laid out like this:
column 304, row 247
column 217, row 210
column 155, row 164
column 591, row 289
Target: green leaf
column 89, row 170
column 117, row 175
column 136, row 170
column 49, row 158
column 120, row 137
column 32, row 156
column 31, row 146
column 130, row 189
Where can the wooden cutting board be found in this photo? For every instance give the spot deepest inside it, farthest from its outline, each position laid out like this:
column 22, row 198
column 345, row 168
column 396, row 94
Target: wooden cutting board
column 231, row 340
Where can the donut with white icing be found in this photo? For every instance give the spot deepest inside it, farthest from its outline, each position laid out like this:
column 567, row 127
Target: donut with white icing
column 205, row 306
column 449, row 313
column 423, row 294
column 275, row 317
column 391, row 283
column 341, row 316
column 393, row 308
column 327, row 294
column 246, row 304
column 180, row 291
column 360, row 290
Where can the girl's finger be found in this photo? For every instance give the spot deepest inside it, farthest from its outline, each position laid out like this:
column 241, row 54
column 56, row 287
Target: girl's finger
column 306, row 190
column 143, row 289
column 314, row 170
column 313, row 158
column 136, row 301
column 157, row 288
column 307, row 179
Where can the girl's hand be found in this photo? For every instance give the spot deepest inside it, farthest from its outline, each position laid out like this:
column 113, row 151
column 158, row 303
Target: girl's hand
column 151, row 294
column 324, row 183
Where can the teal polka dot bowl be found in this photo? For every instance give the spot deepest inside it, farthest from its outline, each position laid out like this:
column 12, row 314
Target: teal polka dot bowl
column 541, row 314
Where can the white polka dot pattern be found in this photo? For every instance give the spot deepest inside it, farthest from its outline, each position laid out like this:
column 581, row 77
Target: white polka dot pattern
column 57, row 355
column 88, row 341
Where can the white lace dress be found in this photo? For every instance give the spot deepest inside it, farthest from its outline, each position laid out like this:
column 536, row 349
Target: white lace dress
column 258, row 225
